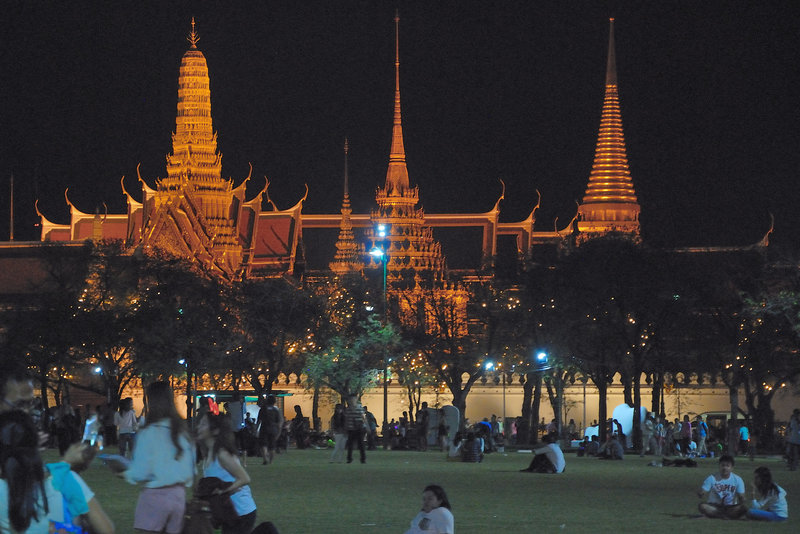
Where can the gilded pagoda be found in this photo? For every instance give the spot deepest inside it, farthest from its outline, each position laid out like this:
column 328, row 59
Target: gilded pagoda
column 196, row 213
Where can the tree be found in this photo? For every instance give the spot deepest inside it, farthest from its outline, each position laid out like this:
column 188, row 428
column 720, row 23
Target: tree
column 414, row 375
column 351, row 363
column 43, row 330
column 623, row 293
column 277, row 325
column 768, row 357
column 105, row 314
column 455, row 339
column 182, row 328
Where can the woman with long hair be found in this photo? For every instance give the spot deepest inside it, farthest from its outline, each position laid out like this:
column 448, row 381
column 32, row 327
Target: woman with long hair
column 338, row 427
column 221, row 460
column 30, row 497
column 164, row 459
column 127, row 425
column 769, row 499
column 435, row 516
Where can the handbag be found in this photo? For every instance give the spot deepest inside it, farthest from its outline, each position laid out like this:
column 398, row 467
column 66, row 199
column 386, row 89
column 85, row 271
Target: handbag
column 197, row 519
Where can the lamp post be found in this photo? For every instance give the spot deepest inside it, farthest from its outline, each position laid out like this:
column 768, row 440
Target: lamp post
column 382, row 252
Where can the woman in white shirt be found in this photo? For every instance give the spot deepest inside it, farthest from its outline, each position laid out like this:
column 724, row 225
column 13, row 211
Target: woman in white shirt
column 769, row 499
column 30, row 499
column 435, row 516
column 164, row 460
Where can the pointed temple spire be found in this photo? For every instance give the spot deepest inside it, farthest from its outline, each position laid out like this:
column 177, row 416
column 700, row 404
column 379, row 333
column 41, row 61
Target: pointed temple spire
column 397, row 174
column 414, row 256
column 610, row 203
column 194, row 186
column 194, row 144
column 347, row 258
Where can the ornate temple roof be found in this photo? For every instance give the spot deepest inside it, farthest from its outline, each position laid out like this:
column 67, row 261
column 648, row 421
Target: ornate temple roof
column 414, row 257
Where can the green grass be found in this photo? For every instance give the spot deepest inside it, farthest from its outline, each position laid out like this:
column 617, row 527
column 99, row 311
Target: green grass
column 302, row 493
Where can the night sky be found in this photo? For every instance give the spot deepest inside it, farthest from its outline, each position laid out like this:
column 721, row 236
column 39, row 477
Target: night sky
column 508, row 90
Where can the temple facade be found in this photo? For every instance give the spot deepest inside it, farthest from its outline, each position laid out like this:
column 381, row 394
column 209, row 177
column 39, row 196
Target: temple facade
column 195, row 213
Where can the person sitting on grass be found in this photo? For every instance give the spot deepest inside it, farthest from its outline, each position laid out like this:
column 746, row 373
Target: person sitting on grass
column 724, row 492
column 612, row 449
column 769, row 499
column 435, row 516
column 472, row 449
column 547, row 459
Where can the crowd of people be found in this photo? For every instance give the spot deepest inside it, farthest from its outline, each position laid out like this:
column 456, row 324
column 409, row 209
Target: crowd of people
column 158, row 452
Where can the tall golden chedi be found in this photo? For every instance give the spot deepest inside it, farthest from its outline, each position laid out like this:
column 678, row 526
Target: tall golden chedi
column 414, row 258
column 193, row 207
column 610, row 203
column 348, row 253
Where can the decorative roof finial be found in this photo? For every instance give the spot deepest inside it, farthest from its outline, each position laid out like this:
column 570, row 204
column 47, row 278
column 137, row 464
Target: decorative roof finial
column 611, row 66
column 346, row 152
column 193, row 37
column 397, row 174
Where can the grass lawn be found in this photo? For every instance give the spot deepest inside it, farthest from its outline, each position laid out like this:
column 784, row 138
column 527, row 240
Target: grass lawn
column 302, row 493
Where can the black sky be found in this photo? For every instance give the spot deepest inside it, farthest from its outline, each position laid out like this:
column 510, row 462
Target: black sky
column 506, row 90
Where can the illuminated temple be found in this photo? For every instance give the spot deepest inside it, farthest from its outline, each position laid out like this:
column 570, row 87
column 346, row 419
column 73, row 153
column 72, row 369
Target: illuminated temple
column 194, row 212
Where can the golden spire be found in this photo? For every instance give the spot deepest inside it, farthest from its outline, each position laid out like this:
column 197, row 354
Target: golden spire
column 610, row 202
column 346, row 152
column 398, row 226
column 347, row 258
column 397, row 174
column 194, row 36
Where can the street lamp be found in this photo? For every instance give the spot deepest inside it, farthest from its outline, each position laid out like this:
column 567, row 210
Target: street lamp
column 382, row 253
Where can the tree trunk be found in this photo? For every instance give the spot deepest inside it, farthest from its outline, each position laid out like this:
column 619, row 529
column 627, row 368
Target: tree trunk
column 655, row 392
column 602, row 408
column 524, row 429
column 637, row 409
column 555, row 392
column 460, row 402
column 537, row 401
column 762, row 421
column 627, row 389
column 43, row 388
column 315, row 408
column 732, row 430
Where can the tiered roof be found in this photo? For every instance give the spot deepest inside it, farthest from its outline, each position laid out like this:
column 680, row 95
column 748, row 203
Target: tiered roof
column 610, row 202
column 414, row 258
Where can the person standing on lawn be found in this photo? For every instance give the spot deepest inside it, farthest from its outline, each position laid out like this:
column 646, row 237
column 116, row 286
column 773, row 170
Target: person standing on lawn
column 355, row 423
column 372, row 430
column 338, row 427
column 724, row 492
column 702, row 434
column 270, row 423
column 793, row 440
column 164, row 459
column 422, row 427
